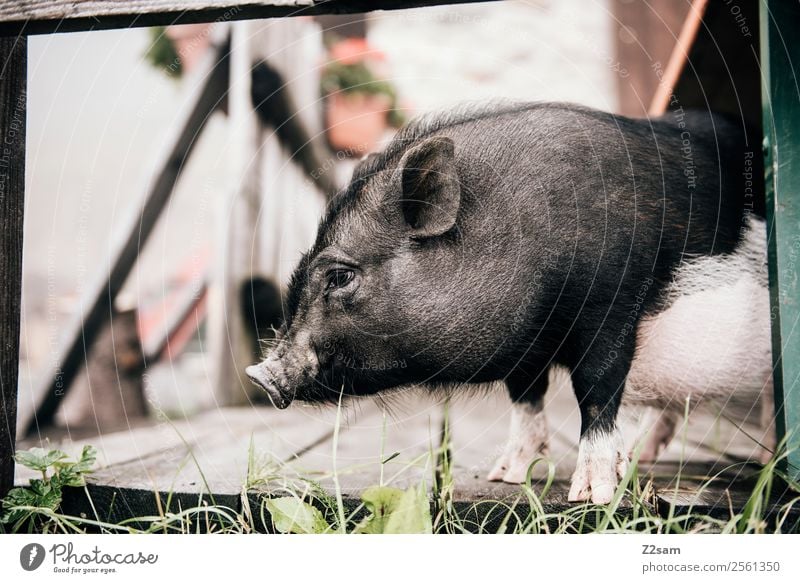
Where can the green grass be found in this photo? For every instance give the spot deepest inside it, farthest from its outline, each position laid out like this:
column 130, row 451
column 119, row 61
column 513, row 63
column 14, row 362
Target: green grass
column 275, row 497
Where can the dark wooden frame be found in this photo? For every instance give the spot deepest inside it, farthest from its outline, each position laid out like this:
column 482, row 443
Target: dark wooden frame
column 48, row 16
column 13, row 99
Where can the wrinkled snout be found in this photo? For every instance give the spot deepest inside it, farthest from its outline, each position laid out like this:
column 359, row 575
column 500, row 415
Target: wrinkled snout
column 286, row 372
column 269, row 376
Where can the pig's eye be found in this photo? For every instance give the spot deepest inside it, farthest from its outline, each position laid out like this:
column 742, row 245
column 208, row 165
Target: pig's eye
column 338, row 278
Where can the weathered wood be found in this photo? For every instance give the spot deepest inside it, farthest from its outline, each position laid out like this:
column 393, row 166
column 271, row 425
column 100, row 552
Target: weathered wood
column 213, row 456
column 210, row 458
column 13, row 80
column 48, row 16
column 110, row 395
column 236, row 220
column 138, row 508
column 396, row 447
column 97, row 305
column 276, row 109
column 721, row 491
column 780, row 53
column 177, row 465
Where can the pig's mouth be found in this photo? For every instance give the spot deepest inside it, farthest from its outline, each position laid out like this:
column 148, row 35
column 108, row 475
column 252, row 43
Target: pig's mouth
column 262, row 377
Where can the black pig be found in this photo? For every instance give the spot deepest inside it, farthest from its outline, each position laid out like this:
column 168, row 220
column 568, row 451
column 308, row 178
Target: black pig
column 492, row 243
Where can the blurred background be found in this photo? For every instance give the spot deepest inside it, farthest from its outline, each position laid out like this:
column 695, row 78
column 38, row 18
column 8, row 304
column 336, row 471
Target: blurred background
column 307, row 98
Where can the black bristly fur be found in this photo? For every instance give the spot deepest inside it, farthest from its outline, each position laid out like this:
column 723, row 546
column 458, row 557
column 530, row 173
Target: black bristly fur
column 569, row 221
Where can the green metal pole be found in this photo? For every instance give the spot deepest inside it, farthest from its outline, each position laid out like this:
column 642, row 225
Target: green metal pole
column 780, row 63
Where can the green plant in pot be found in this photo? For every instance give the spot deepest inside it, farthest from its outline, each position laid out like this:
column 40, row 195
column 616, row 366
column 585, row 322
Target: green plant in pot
column 359, row 105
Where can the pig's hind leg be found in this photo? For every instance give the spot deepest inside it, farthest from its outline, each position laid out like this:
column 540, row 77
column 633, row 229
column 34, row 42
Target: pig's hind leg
column 770, row 439
column 659, row 427
column 598, row 379
column 528, row 438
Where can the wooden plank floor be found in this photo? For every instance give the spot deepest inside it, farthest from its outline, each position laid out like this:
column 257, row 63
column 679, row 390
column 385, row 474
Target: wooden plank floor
column 217, row 455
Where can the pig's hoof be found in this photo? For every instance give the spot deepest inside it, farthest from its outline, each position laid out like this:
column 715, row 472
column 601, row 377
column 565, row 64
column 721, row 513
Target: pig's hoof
column 526, row 443
column 513, row 467
column 600, row 465
column 499, row 470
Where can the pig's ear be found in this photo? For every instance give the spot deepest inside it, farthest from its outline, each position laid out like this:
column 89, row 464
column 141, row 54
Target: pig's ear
column 431, row 192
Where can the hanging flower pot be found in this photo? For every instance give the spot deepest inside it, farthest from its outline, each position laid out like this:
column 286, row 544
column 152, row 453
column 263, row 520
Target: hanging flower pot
column 176, row 50
column 190, row 42
column 356, row 121
column 359, row 105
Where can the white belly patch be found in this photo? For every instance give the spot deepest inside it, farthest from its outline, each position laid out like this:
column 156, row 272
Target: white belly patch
column 712, row 342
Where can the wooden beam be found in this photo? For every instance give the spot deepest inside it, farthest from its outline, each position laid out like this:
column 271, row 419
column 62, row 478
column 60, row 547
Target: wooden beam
column 49, row 16
column 276, row 108
column 96, row 306
column 13, row 73
column 780, row 54
column 228, row 351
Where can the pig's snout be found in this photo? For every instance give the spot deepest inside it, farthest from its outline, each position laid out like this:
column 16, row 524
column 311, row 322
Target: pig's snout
column 265, row 376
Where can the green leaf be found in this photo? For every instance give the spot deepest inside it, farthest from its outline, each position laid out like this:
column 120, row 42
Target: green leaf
column 70, row 473
column 19, row 497
column 38, row 494
column 15, row 498
column 37, row 459
column 88, row 459
column 292, row 515
column 394, row 511
column 21, row 504
column 411, row 515
column 45, row 494
column 162, row 53
column 68, row 476
column 381, row 502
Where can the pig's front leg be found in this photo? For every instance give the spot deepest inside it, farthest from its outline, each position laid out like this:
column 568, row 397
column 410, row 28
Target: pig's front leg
column 528, row 437
column 598, row 380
